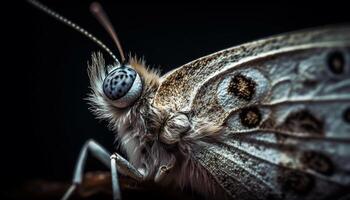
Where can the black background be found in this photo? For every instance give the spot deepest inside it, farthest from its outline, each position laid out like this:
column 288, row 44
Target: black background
column 46, row 117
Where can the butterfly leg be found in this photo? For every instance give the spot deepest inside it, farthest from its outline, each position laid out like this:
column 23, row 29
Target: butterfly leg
column 103, row 155
column 118, row 163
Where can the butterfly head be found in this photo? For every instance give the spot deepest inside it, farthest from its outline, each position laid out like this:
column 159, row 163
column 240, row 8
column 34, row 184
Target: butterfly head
column 122, row 86
column 126, row 87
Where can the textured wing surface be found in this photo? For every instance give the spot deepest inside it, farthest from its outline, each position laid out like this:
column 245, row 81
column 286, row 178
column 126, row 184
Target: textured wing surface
column 179, row 87
column 285, row 105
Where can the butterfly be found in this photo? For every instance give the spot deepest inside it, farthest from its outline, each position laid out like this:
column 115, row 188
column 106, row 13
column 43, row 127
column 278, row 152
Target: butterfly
column 269, row 119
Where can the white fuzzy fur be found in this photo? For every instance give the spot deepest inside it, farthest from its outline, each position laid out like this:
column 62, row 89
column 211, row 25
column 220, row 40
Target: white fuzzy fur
column 152, row 136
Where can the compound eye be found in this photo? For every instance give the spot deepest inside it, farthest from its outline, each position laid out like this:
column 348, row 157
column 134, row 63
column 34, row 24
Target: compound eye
column 122, row 86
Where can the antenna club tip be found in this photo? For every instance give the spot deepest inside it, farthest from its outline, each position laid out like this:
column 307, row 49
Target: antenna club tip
column 95, row 7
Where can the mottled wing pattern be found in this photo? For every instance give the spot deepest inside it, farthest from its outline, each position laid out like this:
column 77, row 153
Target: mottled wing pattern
column 285, row 105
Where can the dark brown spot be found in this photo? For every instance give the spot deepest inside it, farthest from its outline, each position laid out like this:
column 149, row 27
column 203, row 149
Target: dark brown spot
column 346, row 115
column 242, row 87
column 303, row 121
column 310, row 83
column 272, row 196
column 336, row 62
column 250, row 117
column 294, row 181
column 317, row 162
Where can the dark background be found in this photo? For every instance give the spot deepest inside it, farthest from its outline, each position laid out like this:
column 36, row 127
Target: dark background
column 46, row 119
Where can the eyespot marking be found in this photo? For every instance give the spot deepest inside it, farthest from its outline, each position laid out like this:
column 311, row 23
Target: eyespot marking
column 336, row 62
column 317, row 162
column 250, row 117
column 239, row 89
column 242, row 87
column 304, row 121
column 346, row 115
column 298, row 182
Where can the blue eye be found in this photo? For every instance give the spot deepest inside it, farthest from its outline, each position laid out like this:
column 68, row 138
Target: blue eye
column 122, row 86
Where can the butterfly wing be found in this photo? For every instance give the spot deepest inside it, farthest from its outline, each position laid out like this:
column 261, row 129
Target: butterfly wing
column 284, row 102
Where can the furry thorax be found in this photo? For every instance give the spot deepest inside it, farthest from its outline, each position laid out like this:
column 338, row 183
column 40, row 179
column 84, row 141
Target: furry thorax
column 152, row 136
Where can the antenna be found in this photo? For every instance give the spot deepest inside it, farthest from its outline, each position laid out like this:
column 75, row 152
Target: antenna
column 66, row 21
column 102, row 17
